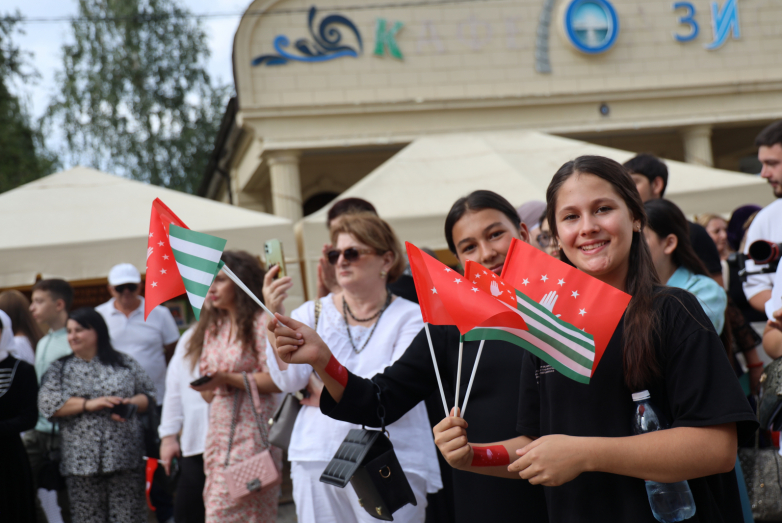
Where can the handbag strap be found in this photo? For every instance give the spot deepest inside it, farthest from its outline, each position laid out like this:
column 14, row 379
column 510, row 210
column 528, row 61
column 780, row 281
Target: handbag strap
column 318, row 308
column 252, row 392
column 381, row 410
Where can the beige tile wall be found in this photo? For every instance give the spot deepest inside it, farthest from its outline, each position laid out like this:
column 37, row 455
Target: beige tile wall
column 486, row 50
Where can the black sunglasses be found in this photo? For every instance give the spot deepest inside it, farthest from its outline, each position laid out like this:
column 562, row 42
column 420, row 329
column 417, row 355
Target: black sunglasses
column 351, row 254
column 126, row 286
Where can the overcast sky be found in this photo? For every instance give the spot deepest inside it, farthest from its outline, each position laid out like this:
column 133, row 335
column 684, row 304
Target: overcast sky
column 45, row 40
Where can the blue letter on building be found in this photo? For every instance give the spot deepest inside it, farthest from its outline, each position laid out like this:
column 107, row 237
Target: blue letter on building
column 722, row 22
column 687, row 19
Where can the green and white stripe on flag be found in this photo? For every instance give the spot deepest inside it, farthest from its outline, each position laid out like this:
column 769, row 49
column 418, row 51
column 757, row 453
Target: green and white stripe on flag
column 568, row 349
column 197, row 257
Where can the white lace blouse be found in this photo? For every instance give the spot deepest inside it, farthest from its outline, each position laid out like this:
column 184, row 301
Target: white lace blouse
column 317, row 437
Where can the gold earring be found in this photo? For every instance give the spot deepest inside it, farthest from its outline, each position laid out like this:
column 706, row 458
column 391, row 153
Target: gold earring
column 383, row 275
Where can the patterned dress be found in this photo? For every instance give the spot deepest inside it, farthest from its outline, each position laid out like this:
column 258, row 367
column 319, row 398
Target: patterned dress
column 223, row 354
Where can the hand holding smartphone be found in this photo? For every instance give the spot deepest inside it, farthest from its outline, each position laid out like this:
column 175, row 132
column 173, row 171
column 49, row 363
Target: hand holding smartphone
column 200, row 381
column 274, row 256
column 125, row 410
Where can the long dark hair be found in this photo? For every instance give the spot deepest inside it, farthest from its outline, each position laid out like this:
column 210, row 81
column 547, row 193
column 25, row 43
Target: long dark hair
column 248, row 269
column 17, row 306
column 90, row 319
column 477, row 201
column 641, row 321
column 664, row 217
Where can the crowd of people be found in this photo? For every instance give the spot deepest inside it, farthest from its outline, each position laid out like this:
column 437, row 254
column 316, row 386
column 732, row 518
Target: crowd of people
column 85, row 406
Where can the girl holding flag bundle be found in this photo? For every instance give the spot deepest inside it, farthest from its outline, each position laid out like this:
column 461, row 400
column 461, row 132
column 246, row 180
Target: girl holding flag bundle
column 577, row 438
column 480, row 228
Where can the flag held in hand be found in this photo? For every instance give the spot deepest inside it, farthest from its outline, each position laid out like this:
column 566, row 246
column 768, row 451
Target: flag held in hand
column 197, row 258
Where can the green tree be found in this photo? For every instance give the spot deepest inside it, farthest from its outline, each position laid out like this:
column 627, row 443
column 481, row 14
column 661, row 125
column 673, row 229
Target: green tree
column 23, row 157
column 135, row 97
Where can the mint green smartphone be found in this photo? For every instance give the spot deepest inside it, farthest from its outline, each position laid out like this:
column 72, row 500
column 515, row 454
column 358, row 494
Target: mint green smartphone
column 274, row 256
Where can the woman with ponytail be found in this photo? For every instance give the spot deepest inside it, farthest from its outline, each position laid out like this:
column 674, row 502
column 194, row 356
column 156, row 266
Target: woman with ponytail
column 668, row 236
column 577, row 439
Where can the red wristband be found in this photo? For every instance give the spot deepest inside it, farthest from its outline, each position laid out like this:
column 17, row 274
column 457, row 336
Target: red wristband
column 754, row 365
column 493, row 456
column 337, row 371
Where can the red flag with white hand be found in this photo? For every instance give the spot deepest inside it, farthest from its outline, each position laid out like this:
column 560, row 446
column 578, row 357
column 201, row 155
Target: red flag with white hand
column 448, row 298
column 570, row 295
column 163, row 281
column 561, row 345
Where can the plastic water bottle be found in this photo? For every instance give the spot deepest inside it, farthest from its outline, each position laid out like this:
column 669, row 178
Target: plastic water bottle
column 670, row 502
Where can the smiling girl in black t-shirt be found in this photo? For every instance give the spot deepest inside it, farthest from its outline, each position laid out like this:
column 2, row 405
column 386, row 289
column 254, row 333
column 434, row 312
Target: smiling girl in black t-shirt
column 577, row 440
column 479, row 228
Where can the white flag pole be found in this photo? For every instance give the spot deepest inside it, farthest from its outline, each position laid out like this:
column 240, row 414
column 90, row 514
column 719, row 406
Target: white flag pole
column 459, row 373
column 436, row 370
column 472, row 377
column 228, row 272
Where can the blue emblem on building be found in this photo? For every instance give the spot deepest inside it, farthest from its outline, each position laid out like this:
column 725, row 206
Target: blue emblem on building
column 591, row 26
column 325, row 43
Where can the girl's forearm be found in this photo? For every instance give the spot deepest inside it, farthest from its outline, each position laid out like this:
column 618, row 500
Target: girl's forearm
column 333, row 374
column 667, row 456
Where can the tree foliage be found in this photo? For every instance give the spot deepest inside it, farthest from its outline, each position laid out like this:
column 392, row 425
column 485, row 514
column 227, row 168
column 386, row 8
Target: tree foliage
column 23, row 157
column 135, row 97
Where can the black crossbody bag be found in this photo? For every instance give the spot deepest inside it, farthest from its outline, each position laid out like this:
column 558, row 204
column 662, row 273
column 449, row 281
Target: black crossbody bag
column 367, row 460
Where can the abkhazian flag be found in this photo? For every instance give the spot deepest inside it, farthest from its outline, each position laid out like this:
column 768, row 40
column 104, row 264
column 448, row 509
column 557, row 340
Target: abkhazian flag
column 568, row 349
column 571, row 295
column 197, row 257
column 162, row 281
column 447, row 298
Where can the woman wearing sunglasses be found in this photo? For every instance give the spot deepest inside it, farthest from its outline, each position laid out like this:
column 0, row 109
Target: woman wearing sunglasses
column 368, row 328
column 479, row 227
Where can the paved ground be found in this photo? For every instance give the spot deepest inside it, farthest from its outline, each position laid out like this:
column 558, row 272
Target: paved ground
column 286, row 513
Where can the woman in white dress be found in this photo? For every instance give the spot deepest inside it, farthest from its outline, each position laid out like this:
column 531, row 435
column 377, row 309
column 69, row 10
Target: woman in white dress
column 367, row 329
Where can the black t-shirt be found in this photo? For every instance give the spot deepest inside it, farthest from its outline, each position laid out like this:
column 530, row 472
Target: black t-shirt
column 705, row 248
column 698, row 388
column 490, row 414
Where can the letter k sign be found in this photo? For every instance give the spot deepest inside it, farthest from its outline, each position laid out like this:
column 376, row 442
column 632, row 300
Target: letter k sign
column 386, row 39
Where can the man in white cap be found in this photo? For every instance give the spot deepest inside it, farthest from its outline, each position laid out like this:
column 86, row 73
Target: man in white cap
column 150, row 342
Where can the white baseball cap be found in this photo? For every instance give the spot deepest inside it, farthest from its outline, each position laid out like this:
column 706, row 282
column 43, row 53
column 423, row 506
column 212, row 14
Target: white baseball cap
column 123, row 273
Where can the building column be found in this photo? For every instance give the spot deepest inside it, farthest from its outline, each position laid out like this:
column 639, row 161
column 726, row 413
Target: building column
column 285, row 184
column 697, row 145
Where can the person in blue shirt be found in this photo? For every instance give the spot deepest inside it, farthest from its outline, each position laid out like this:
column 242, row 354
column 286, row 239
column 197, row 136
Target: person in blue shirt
column 677, row 265
column 667, row 234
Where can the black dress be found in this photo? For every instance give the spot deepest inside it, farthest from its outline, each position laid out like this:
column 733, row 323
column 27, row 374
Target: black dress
column 18, row 413
column 494, row 400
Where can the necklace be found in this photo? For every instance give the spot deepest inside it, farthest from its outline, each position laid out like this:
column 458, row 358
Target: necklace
column 346, row 310
column 375, row 315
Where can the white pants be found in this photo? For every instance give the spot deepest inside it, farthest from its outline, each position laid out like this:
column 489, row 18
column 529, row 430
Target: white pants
column 318, row 502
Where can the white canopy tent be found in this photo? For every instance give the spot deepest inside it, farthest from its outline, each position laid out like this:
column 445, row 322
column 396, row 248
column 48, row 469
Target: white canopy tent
column 79, row 223
column 414, row 190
